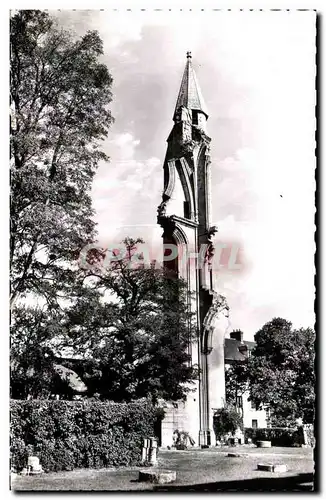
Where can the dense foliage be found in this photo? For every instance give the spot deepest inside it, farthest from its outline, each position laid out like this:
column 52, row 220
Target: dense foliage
column 226, row 420
column 134, row 342
column 131, row 327
column 236, row 382
column 59, row 94
column 67, row 435
column 142, row 346
column 278, row 436
column 182, row 439
column 281, row 371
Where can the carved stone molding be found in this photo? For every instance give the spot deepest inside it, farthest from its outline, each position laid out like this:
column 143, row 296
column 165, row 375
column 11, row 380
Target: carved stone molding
column 187, row 147
column 168, row 190
column 161, row 209
column 186, row 185
column 216, row 311
column 210, row 245
column 172, row 229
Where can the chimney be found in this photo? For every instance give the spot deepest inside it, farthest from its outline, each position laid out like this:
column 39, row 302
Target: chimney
column 237, row 335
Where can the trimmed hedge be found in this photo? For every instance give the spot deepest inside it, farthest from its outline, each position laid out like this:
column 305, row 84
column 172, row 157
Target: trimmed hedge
column 75, row 434
column 279, row 436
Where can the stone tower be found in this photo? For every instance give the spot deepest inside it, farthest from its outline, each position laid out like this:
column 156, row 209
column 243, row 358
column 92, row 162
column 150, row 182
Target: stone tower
column 185, row 216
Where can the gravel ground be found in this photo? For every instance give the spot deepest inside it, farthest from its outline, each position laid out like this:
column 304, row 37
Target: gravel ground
column 197, row 470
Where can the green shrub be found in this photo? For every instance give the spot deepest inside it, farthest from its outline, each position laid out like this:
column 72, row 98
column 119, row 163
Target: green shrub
column 279, row 436
column 72, row 434
column 182, row 439
column 226, row 420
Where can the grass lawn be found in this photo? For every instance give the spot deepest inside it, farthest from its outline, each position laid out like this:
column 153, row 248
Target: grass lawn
column 197, row 470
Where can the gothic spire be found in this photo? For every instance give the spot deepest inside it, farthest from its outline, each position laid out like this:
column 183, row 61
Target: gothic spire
column 190, row 95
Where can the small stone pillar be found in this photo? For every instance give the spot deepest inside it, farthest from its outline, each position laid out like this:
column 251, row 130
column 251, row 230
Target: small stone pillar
column 34, row 466
column 152, row 456
column 149, row 452
column 146, row 444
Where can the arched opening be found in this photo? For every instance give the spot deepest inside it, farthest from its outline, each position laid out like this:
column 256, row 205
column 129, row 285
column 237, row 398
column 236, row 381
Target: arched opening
column 171, row 262
column 195, row 117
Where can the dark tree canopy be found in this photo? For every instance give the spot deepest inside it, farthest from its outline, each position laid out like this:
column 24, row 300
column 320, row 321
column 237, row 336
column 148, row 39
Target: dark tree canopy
column 60, row 92
column 236, row 382
column 132, row 328
column 139, row 337
column 226, row 420
column 281, row 371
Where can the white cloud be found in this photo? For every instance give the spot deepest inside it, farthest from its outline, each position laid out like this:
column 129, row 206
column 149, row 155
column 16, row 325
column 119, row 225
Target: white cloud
column 122, row 187
column 258, row 74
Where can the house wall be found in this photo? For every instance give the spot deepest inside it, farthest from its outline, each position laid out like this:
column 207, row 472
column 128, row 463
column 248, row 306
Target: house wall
column 250, row 414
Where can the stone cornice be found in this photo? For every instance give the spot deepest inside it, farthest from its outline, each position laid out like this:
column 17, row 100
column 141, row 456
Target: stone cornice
column 184, row 221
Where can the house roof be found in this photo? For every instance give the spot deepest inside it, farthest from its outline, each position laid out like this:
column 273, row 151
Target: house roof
column 232, row 352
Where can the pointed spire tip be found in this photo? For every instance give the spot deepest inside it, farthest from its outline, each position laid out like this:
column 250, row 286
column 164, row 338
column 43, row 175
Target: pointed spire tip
column 190, row 95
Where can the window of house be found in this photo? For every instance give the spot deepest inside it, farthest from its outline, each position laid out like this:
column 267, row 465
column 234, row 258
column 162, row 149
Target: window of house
column 252, row 405
column 239, row 401
column 254, row 424
column 195, row 118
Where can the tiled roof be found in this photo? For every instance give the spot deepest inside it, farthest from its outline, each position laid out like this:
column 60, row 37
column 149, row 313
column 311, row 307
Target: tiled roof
column 232, row 352
column 190, row 95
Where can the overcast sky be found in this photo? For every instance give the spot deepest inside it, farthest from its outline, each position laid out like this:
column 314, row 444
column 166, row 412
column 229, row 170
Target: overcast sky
column 256, row 71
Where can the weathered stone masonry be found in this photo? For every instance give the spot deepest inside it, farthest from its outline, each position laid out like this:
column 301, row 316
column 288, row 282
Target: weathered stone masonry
column 186, row 221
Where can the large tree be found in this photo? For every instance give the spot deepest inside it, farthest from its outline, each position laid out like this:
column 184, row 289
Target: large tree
column 281, row 371
column 236, row 382
column 60, row 92
column 131, row 326
column 138, row 336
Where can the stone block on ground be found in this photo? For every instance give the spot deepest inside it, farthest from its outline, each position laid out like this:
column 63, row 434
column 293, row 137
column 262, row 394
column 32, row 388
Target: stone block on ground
column 280, row 468
column 264, row 444
column 157, row 476
column 34, row 472
column 237, row 454
column 272, row 467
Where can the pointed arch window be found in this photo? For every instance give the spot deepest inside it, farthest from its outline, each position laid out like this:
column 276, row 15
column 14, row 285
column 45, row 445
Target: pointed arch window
column 186, row 209
column 173, row 264
column 195, row 117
